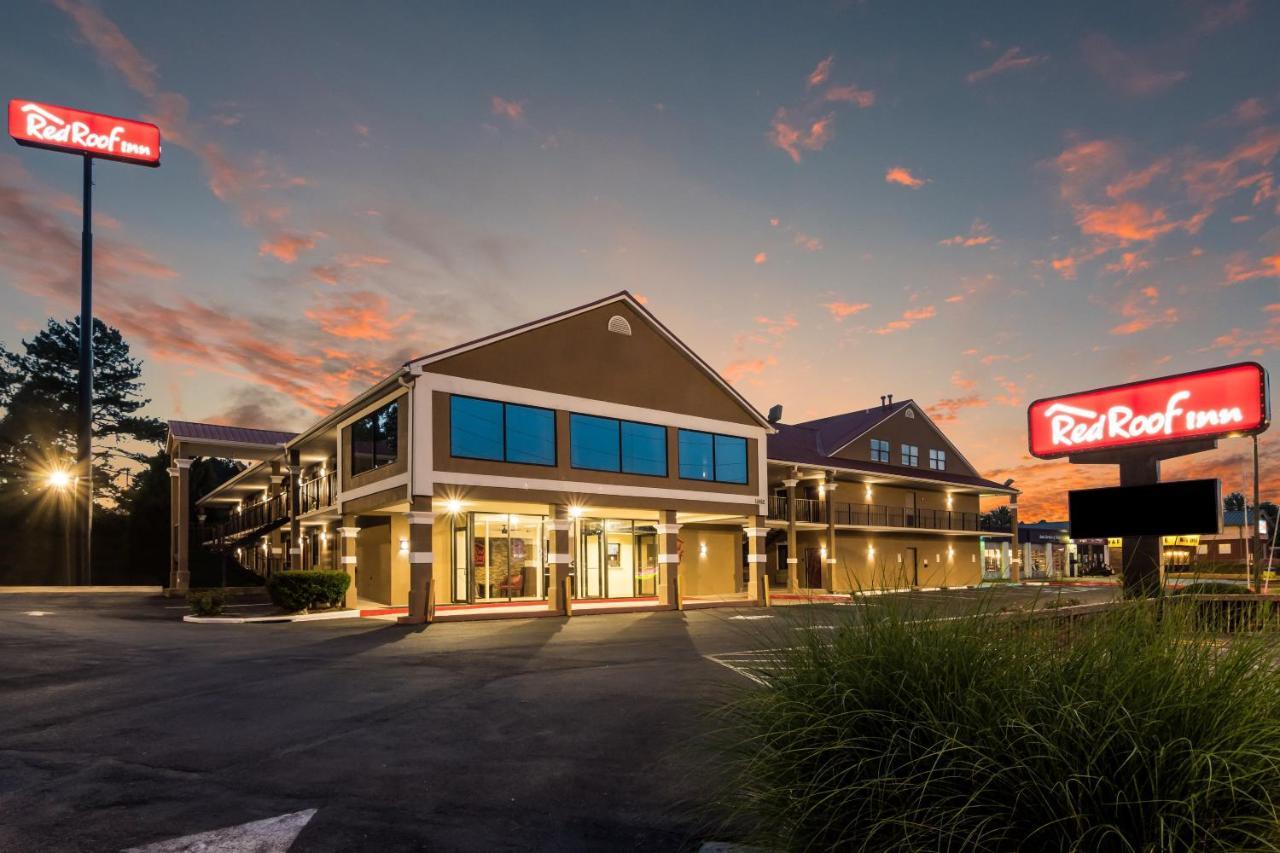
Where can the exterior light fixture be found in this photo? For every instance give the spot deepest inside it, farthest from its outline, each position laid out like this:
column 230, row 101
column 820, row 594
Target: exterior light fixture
column 824, row 552
column 404, row 545
column 948, row 500
column 575, row 512
column 324, row 536
column 702, row 549
column 871, row 551
column 951, row 553
column 868, row 491
column 822, row 490
column 453, row 506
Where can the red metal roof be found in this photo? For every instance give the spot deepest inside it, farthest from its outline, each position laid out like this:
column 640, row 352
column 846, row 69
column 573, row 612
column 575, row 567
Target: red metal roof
column 193, row 431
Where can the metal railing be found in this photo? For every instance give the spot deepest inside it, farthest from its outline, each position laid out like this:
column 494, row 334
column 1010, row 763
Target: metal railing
column 807, row 509
column 318, row 492
column 873, row 515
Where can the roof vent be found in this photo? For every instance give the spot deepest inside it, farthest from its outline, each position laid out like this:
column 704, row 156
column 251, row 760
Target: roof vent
column 910, row 412
column 619, row 325
column 890, row 397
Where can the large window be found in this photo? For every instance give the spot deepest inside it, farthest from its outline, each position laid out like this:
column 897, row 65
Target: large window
column 910, row 454
column 607, row 444
column 938, row 460
column 879, row 450
column 707, row 456
column 502, row 432
column 375, row 439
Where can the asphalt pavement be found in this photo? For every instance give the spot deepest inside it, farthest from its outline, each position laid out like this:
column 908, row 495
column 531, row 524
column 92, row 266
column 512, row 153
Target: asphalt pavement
column 124, row 727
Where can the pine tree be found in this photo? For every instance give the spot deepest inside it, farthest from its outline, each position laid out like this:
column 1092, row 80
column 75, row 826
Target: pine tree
column 38, row 393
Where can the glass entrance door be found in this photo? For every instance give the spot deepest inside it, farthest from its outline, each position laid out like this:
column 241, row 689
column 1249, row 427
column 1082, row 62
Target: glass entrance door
column 507, row 559
column 617, row 558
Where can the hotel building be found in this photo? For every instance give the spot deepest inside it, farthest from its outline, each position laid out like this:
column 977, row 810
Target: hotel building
column 587, row 460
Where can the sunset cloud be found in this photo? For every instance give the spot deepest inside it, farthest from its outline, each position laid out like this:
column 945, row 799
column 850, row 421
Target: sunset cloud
column 1011, row 60
column 361, row 315
column 760, row 258
column 850, row 95
column 285, row 247
column 902, row 176
column 792, row 136
column 949, row 409
column 736, row 371
column 807, row 242
column 909, row 318
column 1268, row 267
column 810, row 126
column 513, row 111
column 821, row 73
column 1127, row 72
column 979, row 235
column 840, row 310
column 1141, row 312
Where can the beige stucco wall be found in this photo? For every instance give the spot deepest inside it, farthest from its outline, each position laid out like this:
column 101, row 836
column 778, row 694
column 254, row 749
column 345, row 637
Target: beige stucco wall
column 718, row 572
column 857, row 569
column 382, row 571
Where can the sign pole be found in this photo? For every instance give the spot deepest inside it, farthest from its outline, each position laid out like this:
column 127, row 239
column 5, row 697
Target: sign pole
column 1140, row 555
column 1256, row 544
column 84, row 411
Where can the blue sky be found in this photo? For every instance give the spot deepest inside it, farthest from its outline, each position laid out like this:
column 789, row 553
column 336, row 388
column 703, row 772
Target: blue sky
column 969, row 204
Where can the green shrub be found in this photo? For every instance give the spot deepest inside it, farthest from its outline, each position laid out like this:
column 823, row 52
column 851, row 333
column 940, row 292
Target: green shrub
column 1129, row 730
column 1212, row 588
column 311, row 590
column 206, row 602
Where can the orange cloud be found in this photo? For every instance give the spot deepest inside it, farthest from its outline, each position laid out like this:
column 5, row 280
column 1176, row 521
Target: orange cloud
column 760, row 258
column 804, row 241
column 959, row 380
column 821, row 73
column 1255, row 342
column 792, row 138
column 1139, row 179
column 840, row 310
column 735, row 371
column 850, row 95
column 909, row 318
column 511, row 110
column 979, row 235
column 778, row 327
column 902, row 176
column 361, row 315
column 1140, row 308
column 285, row 247
column 949, row 409
column 1268, row 267
column 1012, row 59
column 1126, row 222
column 1065, row 267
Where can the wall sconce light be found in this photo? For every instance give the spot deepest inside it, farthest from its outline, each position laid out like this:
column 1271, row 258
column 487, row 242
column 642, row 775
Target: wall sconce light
column 948, row 500
column 822, row 491
column 868, row 491
column 937, row 558
column 951, row 553
column 899, row 556
column 871, row 551
column 824, row 552
column 324, row 536
column 404, row 545
column 453, row 506
column 575, row 512
column 702, row 549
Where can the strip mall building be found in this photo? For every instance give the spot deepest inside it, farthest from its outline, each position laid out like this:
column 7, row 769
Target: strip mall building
column 590, row 456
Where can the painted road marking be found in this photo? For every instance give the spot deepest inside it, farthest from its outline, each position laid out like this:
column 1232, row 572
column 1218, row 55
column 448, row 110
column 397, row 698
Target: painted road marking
column 273, row 835
column 750, row 617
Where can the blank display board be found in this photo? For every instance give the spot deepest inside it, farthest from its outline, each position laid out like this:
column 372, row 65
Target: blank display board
column 1178, row 507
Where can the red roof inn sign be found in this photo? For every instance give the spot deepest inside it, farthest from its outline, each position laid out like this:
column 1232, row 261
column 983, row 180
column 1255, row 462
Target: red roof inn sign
column 78, row 132
column 1205, row 404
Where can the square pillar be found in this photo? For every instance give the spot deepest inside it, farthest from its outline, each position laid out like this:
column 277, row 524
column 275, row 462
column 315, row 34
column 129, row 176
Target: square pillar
column 179, row 509
column 559, row 560
column 422, row 603
column 1015, row 566
column 829, row 564
column 757, row 579
column 349, row 533
column 1006, row 562
column 295, row 528
column 324, row 554
column 669, row 560
column 793, row 552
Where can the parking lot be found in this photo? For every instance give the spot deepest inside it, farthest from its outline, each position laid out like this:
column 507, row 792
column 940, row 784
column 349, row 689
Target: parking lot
column 124, row 726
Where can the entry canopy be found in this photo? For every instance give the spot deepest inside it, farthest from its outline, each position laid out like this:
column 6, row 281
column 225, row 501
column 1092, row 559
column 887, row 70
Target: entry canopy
column 1226, row 401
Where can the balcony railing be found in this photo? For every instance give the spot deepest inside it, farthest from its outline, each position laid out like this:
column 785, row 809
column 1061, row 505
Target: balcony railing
column 873, row 515
column 318, row 492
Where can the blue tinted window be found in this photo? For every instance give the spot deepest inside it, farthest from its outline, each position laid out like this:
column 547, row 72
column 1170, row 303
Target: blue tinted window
column 475, row 428
column 531, row 435
column 731, row 459
column 593, row 443
column 696, row 455
column 644, row 449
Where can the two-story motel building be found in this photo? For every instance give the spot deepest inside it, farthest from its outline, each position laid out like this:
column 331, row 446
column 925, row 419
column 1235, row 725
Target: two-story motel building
column 589, row 455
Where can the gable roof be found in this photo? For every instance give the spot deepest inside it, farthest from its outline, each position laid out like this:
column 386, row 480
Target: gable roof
column 836, row 432
column 620, row 296
column 802, row 444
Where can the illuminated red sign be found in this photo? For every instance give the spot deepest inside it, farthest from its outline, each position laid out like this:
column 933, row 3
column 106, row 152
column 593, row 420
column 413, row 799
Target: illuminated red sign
column 78, row 132
column 1230, row 400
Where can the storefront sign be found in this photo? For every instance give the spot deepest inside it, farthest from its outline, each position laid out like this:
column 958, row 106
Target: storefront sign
column 77, row 132
column 1184, row 541
column 1222, row 401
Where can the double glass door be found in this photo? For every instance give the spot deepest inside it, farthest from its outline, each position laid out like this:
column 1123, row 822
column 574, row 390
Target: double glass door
column 617, row 558
column 499, row 557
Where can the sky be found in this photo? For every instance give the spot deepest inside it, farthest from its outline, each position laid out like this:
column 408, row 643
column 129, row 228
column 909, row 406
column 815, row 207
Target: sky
column 969, row 205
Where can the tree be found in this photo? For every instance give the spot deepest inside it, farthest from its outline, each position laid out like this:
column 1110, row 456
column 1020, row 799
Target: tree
column 1233, row 502
column 1000, row 518
column 39, row 396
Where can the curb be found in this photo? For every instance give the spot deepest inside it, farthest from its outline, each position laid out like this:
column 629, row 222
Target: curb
column 287, row 617
column 74, row 590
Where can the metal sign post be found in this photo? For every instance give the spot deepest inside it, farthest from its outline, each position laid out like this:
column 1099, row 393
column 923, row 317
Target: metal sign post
column 91, row 136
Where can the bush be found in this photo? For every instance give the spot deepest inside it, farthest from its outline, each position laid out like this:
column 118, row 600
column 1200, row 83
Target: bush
column 206, row 602
column 311, row 590
column 1212, row 588
column 1127, row 731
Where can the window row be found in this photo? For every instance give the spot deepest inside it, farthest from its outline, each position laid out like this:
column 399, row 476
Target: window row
column 909, row 455
column 507, row 432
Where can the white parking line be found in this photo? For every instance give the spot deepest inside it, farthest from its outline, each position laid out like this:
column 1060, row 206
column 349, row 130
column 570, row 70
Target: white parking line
column 273, row 835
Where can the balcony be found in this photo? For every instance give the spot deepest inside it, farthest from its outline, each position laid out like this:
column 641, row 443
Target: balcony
column 873, row 515
column 317, row 493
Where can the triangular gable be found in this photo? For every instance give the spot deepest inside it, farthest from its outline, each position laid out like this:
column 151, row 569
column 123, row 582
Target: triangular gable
column 899, row 427
column 585, row 352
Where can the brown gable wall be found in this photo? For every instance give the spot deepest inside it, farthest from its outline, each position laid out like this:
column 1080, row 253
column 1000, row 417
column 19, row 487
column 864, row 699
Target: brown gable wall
column 579, row 356
column 899, row 430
